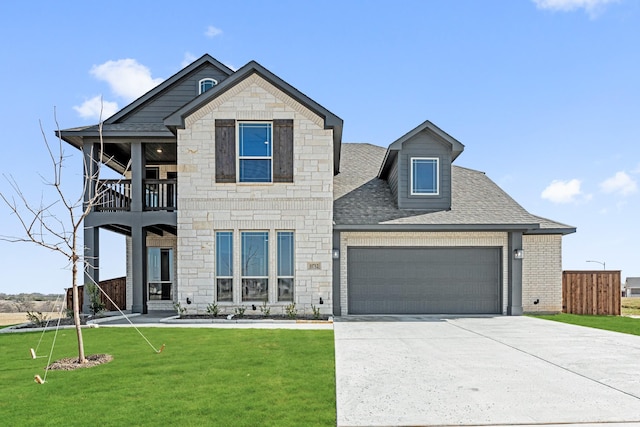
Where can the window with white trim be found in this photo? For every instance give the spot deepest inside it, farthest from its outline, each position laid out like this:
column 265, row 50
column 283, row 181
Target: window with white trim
column 255, row 265
column 285, row 267
column 224, row 266
column 206, row 84
column 255, row 159
column 425, row 176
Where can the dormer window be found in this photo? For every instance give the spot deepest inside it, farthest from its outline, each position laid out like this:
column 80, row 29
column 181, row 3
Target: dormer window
column 425, row 176
column 206, row 84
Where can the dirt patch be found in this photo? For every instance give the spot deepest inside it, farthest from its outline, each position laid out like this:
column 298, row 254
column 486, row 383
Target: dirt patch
column 71, row 363
column 15, row 318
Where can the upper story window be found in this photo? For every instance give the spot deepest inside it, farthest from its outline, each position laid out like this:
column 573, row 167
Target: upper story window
column 255, row 152
column 425, row 176
column 206, row 84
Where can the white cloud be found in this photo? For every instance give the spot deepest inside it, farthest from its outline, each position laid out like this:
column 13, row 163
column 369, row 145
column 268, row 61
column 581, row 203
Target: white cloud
column 96, row 108
column 127, row 78
column 188, row 59
column 620, row 183
column 563, row 191
column 212, row 31
column 592, row 7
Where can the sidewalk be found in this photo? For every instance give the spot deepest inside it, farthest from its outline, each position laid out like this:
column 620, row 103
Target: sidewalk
column 169, row 319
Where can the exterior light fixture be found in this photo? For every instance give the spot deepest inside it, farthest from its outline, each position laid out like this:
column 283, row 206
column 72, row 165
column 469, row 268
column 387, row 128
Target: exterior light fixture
column 335, row 254
column 518, row 254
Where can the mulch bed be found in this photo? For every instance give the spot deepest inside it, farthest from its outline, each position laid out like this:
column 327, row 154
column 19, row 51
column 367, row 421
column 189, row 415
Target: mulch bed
column 252, row 317
column 71, row 363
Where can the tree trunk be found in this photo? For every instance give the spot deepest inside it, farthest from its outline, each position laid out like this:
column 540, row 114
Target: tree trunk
column 76, row 312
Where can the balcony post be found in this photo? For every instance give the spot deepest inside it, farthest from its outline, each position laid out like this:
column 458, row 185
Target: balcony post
column 137, row 177
column 90, row 165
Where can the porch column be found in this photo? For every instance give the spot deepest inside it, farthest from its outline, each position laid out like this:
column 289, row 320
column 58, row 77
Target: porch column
column 91, row 266
column 514, row 305
column 337, row 310
column 138, row 265
column 91, row 262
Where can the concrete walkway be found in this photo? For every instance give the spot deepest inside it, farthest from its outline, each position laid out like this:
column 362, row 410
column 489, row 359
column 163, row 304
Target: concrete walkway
column 404, row 371
column 160, row 319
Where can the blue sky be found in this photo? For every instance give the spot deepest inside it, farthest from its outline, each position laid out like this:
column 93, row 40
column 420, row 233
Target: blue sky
column 545, row 95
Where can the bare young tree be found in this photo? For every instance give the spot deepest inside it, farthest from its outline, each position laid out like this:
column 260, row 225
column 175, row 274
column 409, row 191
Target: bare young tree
column 43, row 225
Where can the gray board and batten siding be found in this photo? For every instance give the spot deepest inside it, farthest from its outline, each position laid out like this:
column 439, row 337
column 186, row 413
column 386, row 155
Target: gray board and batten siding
column 460, row 280
column 173, row 97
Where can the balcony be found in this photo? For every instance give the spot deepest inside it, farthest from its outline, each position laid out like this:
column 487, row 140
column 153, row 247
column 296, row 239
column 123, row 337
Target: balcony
column 115, row 195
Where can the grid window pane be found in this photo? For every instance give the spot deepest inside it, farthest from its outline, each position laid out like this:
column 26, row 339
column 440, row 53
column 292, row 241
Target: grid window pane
column 255, row 170
column 285, row 264
column 255, row 152
column 285, row 253
column 285, row 289
column 224, row 289
column 424, row 176
column 224, row 266
column 255, row 139
column 255, row 289
column 255, row 253
column 224, row 253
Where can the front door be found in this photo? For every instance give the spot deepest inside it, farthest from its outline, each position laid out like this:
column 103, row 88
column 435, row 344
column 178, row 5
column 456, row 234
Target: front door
column 160, row 274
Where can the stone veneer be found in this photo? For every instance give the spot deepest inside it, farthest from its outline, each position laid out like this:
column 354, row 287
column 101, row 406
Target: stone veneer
column 542, row 273
column 304, row 207
column 542, row 265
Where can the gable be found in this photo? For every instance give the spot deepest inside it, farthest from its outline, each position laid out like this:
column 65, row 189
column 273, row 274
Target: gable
column 170, row 95
column 255, row 74
column 423, row 154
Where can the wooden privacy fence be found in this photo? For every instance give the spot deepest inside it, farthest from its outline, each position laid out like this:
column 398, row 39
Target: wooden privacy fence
column 115, row 288
column 591, row 292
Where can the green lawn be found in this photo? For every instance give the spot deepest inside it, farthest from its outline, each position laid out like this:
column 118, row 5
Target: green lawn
column 626, row 325
column 226, row 377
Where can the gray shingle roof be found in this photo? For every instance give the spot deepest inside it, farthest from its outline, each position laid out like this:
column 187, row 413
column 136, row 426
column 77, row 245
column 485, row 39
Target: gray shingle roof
column 361, row 198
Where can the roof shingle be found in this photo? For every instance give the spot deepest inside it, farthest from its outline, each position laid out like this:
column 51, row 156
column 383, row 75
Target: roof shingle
column 361, row 198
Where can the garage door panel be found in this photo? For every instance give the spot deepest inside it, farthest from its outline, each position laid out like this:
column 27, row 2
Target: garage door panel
column 424, row 280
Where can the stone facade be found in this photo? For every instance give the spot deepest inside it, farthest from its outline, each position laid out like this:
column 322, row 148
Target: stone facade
column 542, row 273
column 304, row 206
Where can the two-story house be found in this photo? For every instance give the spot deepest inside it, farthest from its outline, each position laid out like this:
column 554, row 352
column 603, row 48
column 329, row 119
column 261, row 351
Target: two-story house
column 238, row 190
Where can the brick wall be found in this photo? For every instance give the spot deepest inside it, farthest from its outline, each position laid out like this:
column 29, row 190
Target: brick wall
column 542, row 273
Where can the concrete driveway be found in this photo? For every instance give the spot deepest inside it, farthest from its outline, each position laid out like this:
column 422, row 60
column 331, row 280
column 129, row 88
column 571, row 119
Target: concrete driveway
column 408, row 371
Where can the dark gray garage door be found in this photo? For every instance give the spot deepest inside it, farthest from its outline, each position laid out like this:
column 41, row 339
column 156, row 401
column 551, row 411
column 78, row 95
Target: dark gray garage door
column 424, row 280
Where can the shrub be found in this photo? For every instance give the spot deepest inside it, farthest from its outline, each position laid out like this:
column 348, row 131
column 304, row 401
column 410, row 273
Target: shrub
column 95, row 301
column 316, row 312
column 180, row 309
column 264, row 309
column 239, row 311
column 291, row 310
column 37, row 318
column 213, row 310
